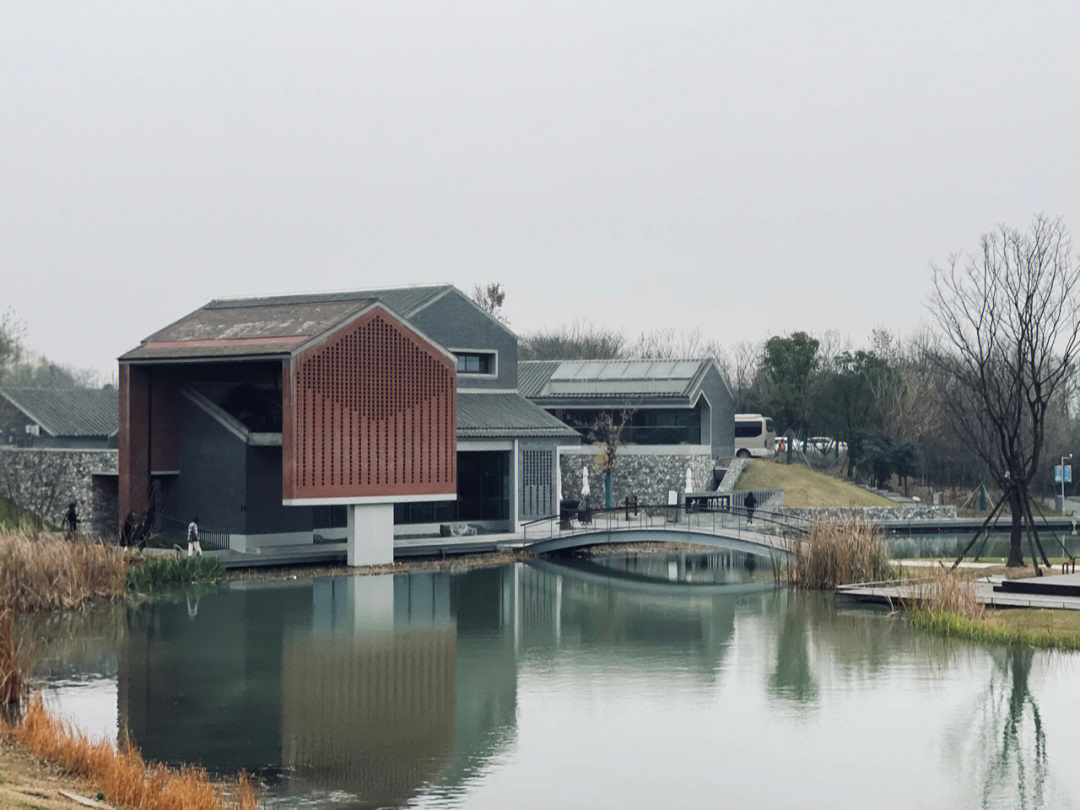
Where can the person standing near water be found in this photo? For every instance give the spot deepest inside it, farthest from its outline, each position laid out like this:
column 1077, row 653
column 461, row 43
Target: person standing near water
column 193, row 537
column 71, row 521
column 749, row 504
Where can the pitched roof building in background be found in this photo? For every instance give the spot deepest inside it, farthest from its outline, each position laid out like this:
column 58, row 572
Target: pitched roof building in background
column 58, row 417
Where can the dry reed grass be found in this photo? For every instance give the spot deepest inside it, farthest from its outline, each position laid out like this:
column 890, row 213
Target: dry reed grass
column 839, row 553
column 944, row 590
column 48, row 572
column 120, row 773
column 13, row 683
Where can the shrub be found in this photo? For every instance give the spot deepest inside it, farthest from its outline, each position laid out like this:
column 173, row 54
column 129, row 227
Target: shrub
column 839, row 553
column 48, row 572
column 161, row 572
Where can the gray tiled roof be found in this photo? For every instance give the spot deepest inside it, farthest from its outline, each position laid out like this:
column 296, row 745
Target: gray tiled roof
column 273, row 328
column 403, row 300
column 273, row 325
column 533, row 375
column 68, row 411
column 641, row 380
column 489, row 416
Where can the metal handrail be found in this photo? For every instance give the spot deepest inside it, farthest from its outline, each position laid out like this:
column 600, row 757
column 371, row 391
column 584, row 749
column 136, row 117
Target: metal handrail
column 660, row 517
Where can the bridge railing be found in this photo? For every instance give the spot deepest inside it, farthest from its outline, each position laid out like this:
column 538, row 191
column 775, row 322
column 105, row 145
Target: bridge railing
column 707, row 515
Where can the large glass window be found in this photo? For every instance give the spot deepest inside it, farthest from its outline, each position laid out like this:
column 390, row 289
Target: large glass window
column 644, row 426
column 483, row 493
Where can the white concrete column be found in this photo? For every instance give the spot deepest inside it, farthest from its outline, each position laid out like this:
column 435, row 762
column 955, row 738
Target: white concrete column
column 370, row 537
column 372, row 602
column 558, row 479
column 515, row 488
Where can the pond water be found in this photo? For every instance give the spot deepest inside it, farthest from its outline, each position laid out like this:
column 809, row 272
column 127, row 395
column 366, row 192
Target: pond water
column 996, row 545
column 637, row 681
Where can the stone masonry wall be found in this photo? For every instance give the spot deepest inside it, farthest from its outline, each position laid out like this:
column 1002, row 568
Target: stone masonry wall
column 45, row 481
column 901, row 512
column 648, row 476
column 731, row 477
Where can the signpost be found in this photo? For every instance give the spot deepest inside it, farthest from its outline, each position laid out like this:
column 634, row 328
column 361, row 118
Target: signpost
column 1063, row 476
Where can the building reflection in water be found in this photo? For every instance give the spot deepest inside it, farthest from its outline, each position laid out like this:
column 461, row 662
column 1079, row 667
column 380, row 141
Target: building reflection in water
column 371, row 686
column 369, row 696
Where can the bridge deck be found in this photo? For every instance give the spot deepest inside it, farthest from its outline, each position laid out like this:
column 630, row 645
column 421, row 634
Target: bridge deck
column 717, row 529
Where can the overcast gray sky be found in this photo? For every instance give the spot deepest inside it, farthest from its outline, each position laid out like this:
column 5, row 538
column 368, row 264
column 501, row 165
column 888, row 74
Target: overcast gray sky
column 741, row 169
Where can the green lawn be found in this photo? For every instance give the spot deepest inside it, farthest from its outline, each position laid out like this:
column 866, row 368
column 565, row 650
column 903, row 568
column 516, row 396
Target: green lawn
column 805, row 487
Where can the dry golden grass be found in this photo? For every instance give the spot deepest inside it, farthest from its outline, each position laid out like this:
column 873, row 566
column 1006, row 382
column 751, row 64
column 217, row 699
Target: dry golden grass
column 839, row 553
column 45, row 572
column 13, row 683
column 121, row 774
column 944, row 590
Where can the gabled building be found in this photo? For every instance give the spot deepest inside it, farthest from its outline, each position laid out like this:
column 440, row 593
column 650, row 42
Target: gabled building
column 663, row 402
column 342, row 416
column 67, row 418
column 677, row 418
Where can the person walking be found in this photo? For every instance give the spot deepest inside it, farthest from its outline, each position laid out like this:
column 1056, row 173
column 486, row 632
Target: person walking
column 71, row 521
column 193, row 538
column 750, row 504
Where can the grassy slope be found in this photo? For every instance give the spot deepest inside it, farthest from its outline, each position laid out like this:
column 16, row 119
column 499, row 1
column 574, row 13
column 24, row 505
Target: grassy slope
column 804, row 487
column 12, row 517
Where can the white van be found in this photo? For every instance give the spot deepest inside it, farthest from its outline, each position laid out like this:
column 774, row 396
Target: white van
column 754, row 435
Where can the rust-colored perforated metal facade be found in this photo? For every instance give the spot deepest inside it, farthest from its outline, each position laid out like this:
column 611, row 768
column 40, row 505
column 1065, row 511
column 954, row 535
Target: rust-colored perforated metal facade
column 369, row 412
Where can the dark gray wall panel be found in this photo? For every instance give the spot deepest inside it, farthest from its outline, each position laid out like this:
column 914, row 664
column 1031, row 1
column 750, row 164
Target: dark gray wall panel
column 454, row 323
column 211, row 484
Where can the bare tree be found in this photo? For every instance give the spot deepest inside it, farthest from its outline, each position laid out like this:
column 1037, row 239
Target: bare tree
column 577, row 342
column 491, row 299
column 1009, row 322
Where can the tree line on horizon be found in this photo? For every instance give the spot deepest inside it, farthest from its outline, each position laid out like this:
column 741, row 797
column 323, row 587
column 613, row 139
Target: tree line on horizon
column 19, row 367
column 987, row 396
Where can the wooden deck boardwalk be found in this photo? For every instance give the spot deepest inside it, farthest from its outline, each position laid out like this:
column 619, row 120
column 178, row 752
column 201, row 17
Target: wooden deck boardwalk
column 986, row 593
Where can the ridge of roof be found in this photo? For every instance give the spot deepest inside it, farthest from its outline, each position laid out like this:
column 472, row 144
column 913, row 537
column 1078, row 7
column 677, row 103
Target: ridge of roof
column 411, row 297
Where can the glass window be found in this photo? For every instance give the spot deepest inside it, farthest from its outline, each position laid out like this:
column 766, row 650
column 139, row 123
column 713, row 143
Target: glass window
column 645, row 426
column 483, row 493
column 475, row 362
column 747, row 430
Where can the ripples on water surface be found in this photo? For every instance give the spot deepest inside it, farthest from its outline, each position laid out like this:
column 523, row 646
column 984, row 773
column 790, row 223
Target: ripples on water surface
column 641, row 681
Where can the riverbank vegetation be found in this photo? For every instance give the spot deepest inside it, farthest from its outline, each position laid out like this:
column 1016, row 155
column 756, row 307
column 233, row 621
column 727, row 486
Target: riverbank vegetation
column 14, row 687
column 152, row 573
column 46, row 572
column 120, row 772
column 838, row 553
column 945, row 604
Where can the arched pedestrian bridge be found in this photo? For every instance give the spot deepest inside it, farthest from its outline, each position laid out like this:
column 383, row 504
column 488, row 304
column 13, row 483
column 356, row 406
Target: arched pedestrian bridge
column 767, row 534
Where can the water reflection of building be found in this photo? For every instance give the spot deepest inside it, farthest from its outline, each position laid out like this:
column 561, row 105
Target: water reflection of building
column 373, row 686
column 369, row 697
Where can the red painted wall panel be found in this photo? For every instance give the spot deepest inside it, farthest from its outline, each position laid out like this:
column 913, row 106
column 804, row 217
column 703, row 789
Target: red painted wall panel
column 370, row 411
column 133, row 440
